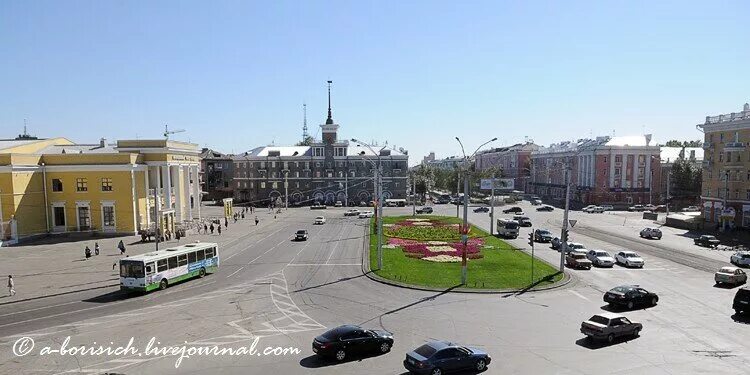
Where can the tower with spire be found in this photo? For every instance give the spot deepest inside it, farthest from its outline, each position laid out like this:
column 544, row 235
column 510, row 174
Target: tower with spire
column 305, row 134
column 329, row 129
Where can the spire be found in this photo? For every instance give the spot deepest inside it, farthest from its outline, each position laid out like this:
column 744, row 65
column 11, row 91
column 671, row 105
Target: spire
column 304, row 122
column 329, row 121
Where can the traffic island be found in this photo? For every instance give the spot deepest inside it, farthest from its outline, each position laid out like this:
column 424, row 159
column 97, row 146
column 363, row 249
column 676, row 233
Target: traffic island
column 425, row 252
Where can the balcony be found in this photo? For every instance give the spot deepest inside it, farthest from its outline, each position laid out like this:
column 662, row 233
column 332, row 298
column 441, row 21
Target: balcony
column 729, row 117
column 735, row 146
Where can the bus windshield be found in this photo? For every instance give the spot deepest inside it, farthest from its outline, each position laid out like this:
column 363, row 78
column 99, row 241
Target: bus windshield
column 131, row 269
column 511, row 225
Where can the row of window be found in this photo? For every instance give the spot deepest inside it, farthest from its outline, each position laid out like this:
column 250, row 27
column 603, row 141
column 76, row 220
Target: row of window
column 738, row 157
column 720, row 192
column 736, row 137
column 83, row 217
column 134, row 269
column 318, row 174
column 317, row 164
column 82, row 184
column 275, row 185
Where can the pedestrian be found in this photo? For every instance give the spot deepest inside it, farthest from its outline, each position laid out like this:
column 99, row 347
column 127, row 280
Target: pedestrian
column 87, row 252
column 243, row 216
column 256, row 221
column 212, row 228
column 96, row 248
column 114, row 265
column 177, row 236
column 121, row 246
column 226, row 223
column 219, row 230
column 252, row 208
column 235, row 219
column 11, row 286
column 205, row 228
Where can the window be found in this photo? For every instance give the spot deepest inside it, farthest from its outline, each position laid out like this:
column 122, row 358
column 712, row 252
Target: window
column 106, row 184
column 641, row 172
column 84, row 218
column 172, row 261
column 262, row 165
column 181, row 260
column 273, row 164
column 200, row 255
column 307, row 165
column 748, row 194
column 274, row 185
column 150, row 269
column 317, row 174
column 618, row 158
column 58, row 214
column 57, row 185
column 108, row 216
column 210, row 252
column 617, row 171
column 82, row 184
column 721, row 158
column 161, row 265
column 262, row 185
column 191, row 257
column 721, row 137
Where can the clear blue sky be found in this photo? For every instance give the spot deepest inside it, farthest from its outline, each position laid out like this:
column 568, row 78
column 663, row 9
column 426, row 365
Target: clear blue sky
column 415, row 73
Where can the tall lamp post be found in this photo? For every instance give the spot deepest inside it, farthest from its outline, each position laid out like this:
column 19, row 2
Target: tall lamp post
column 465, row 227
column 378, row 183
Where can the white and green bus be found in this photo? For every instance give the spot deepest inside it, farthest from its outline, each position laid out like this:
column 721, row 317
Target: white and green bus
column 159, row 269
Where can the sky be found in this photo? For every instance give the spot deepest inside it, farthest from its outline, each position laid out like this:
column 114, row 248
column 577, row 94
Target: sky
column 235, row 74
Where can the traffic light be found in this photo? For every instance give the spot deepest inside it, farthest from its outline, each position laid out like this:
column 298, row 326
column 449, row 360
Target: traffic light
column 565, row 235
column 531, row 239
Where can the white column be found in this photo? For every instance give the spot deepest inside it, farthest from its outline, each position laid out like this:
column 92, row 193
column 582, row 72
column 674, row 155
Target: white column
column 178, row 211
column 166, row 180
column 624, row 171
column 648, row 171
column 189, row 189
column 611, row 170
column 185, row 193
column 197, row 196
column 148, row 197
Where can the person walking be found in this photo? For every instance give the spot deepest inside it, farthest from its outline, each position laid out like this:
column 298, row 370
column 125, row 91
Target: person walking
column 121, row 246
column 205, row 228
column 212, row 228
column 256, row 221
column 219, row 230
column 87, row 252
column 226, row 223
column 11, row 286
column 177, row 235
column 96, row 248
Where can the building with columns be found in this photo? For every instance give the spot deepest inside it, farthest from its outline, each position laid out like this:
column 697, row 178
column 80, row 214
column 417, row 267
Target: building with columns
column 620, row 171
column 54, row 185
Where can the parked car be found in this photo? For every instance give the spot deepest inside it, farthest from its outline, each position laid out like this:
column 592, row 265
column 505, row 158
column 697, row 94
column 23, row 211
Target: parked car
column 593, row 209
column 536, row 202
column 608, row 207
column 630, row 296
column 707, row 240
column 319, row 220
column 363, row 204
column 575, row 246
column 661, row 208
column 649, row 207
column 651, row 233
column 424, row 210
column 440, row 357
column 609, row 326
column 742, row 301
column 514, row 209
column 730, row 275
column 741, row 258
column 542, row 235
column 366, row 214
column 522, row 220
column 691, row 209
column 348, row 340
column 482, row 209
column 545, row 208
column 587, row 208
column 301, row 235
column 629, row 258
column 318, row 206
column 338, row 204
column 352, row 212
column 636, row 208
column 577, row 259
column 600, row 258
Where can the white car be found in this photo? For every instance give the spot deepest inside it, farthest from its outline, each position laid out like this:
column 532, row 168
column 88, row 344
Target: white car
column 741, row 258
column 351, row 212
column 589, row 209
column 730, row 275
column 365, row 214
column 629, row 259
column 575, row 246
column 319, row 220
column 600, row 258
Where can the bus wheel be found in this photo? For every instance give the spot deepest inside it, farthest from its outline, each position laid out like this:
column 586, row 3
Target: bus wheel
column 202, row 272
column 163, row 284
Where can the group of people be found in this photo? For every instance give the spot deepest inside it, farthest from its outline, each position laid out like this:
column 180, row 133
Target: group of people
column 87, row 250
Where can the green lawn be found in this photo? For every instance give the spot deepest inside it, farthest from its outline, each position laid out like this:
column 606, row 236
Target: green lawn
column 502, row 267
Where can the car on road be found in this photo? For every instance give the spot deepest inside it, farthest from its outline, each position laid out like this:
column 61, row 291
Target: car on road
column 730, row 275
column 691, row 209
column 338, row 204
column 741, row 258
column 707, row 241
column 575, row 246
column 587, row 208
column 522, row 220
column 424, row 210
column 661, row 208
column 636, row 208
column 318, row 206
column 591, row 209
column 608, row 207
column 600, row 258
column 319, row 220
column 542, row 235
column 545, row 208
column 301, row 235
column 609, row 326
column 649, row 207
column 350, row 340
column 513, row 210
column 536, row 202
column 556, row 243
column 482, row 209
column 653, row 233
column 577, row 259
column 630, row 296
column 352, row 212
column 742, row 300
column 366, row 214
column 629, row 258
column 441, row 357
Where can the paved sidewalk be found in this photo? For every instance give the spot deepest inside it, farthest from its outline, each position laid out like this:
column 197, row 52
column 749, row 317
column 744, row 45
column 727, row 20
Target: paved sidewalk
column 57, row 266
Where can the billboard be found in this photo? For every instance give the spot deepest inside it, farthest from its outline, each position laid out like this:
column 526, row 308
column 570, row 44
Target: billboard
column 500, row 183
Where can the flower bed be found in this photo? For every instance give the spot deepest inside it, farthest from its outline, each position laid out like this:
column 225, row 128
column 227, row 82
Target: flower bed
column 438, row 251
column 423, row 230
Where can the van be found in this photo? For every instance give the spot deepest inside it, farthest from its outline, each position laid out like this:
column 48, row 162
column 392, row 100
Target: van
column 742, row 301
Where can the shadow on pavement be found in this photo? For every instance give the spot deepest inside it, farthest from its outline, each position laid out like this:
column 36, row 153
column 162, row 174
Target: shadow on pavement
column 328, row 283
column 60, row 294
column 546, row 279
column 53, row 239
column 116, row 295
column 739, row 318
column 592, row 344
column 727, row 286
column 315, row 361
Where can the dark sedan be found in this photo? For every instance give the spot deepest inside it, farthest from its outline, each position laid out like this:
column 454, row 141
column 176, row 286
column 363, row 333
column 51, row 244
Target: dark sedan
column 707, row 240
column 542, row 235
column 630, row 296
column 349, row 340
column 440, row 357
column 513, row 210
column 482, row 209
column 545, row 208
column 301, row 235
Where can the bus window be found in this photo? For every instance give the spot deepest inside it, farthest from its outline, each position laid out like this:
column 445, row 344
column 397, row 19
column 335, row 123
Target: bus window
column 131, row 269
column 191, row 257
column 150, row 269
column 161, row 265
column 200, row 255
column 209, row 253
column 172, row 261
column 182, row 260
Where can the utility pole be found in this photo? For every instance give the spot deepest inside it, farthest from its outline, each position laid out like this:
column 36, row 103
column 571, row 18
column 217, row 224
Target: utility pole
column 286, row 190
column 465, row 236
column 380, row 216
column 157, row 223
column 669, row 174
column 531, row 243
column 492, row 205
column 564, row 234
column 413, row 195
column 726, row 195
column 458, row 189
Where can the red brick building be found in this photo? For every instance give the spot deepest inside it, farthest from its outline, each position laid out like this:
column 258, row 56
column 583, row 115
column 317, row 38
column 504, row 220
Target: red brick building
column 514, row 162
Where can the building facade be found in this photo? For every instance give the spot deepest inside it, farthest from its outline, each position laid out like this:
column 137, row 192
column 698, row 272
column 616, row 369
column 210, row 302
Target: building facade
column 670, row 155
column 57, row 186
column 217, row 172
column 451, row 162
column 511, row 162
column 726, row 169
column 325, row 172
column 619, row 171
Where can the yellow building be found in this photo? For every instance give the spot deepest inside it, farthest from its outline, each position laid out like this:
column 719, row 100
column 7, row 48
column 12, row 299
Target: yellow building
column 57, row 186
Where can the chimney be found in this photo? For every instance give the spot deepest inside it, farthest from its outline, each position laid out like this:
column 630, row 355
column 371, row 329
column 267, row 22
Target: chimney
column 103, row 142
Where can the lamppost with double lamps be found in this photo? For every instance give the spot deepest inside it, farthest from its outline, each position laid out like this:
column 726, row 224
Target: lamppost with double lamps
column 378, row 184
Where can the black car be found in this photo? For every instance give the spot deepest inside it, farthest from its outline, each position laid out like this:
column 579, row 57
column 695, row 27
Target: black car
column 482, row 209
column 708, row 241
column 542, row 235
column 301, row 235
column 349, row 340
column 545, row 208
column 742, row 301
column 630, row 296
column 440, row 357
column 424, row 210
column 512, row 210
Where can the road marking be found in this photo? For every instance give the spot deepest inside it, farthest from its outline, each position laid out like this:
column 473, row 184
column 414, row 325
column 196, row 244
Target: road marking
column 235, row 272
column 322, row 264
column 40, row 308
column 578, row 294
column 336, row 246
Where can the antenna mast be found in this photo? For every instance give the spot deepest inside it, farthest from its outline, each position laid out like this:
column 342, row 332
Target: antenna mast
column 305, row 134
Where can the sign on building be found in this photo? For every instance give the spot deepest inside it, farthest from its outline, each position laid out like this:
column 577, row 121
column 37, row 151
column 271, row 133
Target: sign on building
column 500, row 184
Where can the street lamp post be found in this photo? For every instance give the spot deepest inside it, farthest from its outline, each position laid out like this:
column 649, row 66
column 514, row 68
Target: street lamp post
column 378, row 186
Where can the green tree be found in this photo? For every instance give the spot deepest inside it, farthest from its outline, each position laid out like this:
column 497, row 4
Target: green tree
column 306, row 142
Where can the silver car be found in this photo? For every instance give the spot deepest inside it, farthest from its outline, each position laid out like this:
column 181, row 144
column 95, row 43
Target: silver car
column 600, row 258
column 629, row 259
column 741, row 258
column 651, row 233
column 730, row 275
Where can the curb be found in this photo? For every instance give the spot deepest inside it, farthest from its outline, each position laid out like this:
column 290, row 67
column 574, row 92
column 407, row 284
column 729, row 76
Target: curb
column 567, row 278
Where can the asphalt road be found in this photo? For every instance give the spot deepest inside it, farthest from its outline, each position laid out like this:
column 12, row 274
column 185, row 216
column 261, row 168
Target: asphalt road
column 284, row 293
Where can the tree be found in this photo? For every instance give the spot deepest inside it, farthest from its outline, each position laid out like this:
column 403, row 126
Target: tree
column 306, row 142
column 685, row 179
